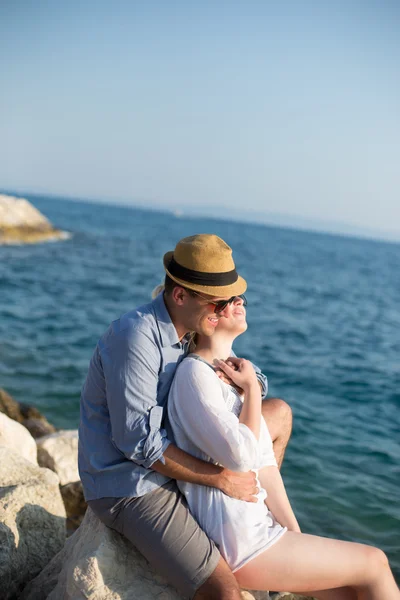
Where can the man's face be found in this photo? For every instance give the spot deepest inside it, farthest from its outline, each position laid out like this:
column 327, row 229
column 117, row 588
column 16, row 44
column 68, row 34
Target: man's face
column 199, row 313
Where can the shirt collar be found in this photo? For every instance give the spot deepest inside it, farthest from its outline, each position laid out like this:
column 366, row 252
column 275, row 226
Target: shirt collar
column 168, row 333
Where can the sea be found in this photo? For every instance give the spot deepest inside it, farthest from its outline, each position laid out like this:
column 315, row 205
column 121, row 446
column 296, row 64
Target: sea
column 324, row 326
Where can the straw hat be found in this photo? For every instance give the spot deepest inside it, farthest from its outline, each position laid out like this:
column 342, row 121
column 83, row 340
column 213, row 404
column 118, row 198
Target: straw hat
column 204, row 263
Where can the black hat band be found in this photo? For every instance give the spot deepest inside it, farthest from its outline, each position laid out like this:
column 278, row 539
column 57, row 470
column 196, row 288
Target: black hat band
column 200, row 277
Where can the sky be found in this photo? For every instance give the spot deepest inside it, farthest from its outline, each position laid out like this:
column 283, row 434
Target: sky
column 253, row 106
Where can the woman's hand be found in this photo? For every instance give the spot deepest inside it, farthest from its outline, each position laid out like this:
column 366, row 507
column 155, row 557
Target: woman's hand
column 240, row 371
column 224, row 377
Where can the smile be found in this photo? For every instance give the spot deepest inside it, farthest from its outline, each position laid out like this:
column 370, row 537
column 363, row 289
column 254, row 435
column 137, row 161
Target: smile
column 213, row 320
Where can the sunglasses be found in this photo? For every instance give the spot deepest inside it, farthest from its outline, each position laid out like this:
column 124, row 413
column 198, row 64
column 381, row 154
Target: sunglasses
column 220, row 305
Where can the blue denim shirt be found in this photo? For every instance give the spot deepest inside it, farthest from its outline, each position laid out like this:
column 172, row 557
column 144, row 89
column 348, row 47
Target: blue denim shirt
column 122, row 430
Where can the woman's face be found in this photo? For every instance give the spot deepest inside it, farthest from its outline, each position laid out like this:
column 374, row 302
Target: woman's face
column 233, row 318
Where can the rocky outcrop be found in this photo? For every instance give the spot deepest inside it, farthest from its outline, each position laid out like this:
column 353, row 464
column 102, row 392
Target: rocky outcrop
column 20, row 222
column 27, row 415
column 59, row 452
column 32, row 521
column 75, row 504
column 97, row 563
column 14, row 436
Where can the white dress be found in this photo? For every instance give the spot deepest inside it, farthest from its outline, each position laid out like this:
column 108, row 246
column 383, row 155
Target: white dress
column 203, row 414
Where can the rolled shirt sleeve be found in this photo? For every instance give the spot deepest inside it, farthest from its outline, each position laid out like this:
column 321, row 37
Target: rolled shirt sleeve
column 131, row 369
column 261, row 378
column 197, row 409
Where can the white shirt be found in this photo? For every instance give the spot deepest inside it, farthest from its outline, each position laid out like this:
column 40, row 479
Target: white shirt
column 203, row 413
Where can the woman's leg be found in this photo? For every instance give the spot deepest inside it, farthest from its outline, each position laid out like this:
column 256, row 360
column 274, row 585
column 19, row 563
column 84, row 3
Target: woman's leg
column 344, row 593
column 301, row 563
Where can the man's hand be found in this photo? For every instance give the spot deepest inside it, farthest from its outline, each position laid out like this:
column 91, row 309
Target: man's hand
column 242, row 486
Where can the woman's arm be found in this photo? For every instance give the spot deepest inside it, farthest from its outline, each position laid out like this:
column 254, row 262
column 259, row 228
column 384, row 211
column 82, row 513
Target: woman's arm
column 269, row 475
column 277, row 500
column 251, row 409
column 242, row 374
column 199, row 416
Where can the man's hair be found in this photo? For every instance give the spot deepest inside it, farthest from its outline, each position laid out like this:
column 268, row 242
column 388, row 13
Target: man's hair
column 170, row 284
column 167, row 287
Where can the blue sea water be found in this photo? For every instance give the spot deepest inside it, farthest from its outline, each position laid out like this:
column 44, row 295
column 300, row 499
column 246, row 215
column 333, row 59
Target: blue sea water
column 324, row 325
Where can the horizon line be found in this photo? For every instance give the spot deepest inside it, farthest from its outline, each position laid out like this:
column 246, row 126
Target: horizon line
column 306, row 224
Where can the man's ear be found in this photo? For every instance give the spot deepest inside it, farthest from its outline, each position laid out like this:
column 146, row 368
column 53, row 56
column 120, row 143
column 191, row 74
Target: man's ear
column 179, row 294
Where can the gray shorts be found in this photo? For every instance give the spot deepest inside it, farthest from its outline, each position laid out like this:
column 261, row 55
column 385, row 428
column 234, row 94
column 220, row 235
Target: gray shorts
column 161, row 527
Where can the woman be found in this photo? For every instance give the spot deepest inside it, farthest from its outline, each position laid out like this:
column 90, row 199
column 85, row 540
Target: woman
column 260, row 541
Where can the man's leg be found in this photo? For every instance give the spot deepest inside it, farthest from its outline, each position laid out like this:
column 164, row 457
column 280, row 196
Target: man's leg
column 221, row 585
column 161, row 527
column 278, row 417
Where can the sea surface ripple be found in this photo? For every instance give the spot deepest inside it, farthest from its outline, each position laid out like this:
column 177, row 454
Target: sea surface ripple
column 324, row 325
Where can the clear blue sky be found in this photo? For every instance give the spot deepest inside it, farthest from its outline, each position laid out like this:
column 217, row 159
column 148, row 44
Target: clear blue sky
column 289, row 107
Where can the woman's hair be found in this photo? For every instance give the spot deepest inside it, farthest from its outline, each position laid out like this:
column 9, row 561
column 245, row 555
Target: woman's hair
column 157, row 290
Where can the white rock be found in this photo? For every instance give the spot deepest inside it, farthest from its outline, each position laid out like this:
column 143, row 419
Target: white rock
column 22, row 223
column 18, row 212
column 59, row 452
column 13, row 435
column 97, row 563
column 32, row 521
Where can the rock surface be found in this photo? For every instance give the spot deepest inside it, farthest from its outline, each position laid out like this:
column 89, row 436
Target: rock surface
column 288, row 596
column 28, row 416
column 75, row 504
column 32, row 521
column 59, row 452
column 20, row 222
column 14, row 436
column 98, row 564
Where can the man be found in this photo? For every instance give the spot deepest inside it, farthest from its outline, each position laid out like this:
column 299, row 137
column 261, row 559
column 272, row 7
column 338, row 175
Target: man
column 128, row 464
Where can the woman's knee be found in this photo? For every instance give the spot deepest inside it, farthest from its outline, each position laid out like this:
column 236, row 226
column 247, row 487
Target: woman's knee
column 376, row 562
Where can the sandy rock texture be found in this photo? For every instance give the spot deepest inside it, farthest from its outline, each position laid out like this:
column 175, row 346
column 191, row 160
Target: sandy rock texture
column 59, row 452
column 278, row 596
column 97, row 563
column 20, row 222
column 28, row 416
column 13, row 435
column 32, row 521
column 75, row 504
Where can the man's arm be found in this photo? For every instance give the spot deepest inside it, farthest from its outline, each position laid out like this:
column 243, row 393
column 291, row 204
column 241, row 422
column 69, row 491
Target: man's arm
column 131, row 365
column 184, row 467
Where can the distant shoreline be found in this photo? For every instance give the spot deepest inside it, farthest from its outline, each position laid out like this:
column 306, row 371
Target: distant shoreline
column 229, row 214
